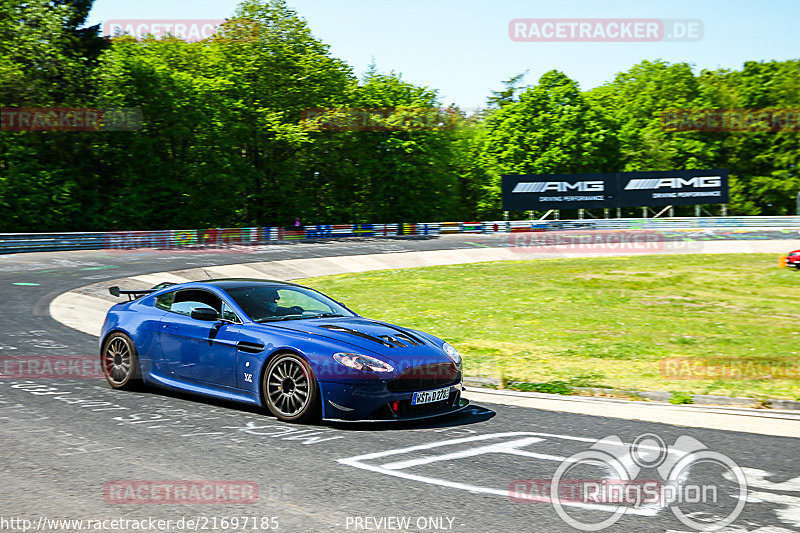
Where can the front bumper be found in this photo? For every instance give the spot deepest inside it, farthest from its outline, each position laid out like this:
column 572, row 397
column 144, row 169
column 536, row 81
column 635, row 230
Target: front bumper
column 374, row 402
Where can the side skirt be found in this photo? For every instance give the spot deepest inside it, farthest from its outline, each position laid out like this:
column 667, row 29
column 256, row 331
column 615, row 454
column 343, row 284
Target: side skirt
column 202, row 389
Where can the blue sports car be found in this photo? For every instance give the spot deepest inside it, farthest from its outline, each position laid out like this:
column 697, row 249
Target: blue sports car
column 284, row 346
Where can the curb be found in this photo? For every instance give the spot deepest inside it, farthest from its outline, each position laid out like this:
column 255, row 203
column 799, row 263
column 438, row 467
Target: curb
column 655, row 396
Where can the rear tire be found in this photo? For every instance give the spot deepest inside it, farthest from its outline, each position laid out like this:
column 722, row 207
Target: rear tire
column 289, row 389
column 120, row 362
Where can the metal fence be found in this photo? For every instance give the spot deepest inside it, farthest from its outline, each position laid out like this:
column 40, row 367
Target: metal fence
column 238, row 237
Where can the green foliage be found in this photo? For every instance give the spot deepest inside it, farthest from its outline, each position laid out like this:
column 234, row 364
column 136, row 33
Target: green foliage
column 551, row 387
column 552, row 128
column 587, row 379
column 763, row 165
column 223, row 143
column 630, row 323
column 509, row 94
column 681, row 398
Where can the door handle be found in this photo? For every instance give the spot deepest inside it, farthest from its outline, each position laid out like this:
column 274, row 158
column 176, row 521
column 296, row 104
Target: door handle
column 170, row 326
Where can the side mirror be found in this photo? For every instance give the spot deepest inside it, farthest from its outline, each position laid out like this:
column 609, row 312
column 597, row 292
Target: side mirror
column 205, row 313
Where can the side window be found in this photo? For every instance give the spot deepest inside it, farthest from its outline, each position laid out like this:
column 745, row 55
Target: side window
column 187, row 300
column 228, row 314
column 165, row 301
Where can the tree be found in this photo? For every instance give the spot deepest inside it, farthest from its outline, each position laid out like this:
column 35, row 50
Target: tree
column 509, row 94
column 637, row 100
column 389, row 176
column 552, row 129
column 46, row 180
column 764, row 164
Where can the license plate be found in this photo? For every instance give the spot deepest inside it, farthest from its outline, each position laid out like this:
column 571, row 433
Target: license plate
column 430, row 396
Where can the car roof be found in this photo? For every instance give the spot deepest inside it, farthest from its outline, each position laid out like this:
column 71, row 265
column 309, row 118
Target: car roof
column 235, row 283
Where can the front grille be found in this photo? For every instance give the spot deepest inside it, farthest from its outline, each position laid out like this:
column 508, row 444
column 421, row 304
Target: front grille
column 425, row 377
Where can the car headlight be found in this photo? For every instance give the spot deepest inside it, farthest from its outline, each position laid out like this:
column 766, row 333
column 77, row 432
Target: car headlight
column 452, row 353
column 362, row 362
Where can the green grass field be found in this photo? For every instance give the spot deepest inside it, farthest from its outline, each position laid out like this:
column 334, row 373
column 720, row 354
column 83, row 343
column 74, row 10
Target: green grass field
column 613, row 322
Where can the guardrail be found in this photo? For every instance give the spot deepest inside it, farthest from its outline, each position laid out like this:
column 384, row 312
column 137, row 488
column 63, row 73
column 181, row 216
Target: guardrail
column 235, row 237
column 678, row 223
column 201, row 238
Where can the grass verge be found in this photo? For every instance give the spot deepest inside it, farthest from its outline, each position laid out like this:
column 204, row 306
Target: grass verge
column 701, row 324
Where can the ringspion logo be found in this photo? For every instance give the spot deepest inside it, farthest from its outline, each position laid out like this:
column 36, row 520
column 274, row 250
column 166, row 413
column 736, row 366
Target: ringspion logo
column 622, row 488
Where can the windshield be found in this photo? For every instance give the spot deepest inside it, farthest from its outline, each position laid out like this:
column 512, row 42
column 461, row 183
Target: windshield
column 271, row 303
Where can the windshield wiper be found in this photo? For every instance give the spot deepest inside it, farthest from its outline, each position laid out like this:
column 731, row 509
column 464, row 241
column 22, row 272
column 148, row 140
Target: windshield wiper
column 278, row 318
column 298, row 317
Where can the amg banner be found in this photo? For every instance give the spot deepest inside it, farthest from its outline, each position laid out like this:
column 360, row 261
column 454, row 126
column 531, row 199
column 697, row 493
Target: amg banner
column 614, row 189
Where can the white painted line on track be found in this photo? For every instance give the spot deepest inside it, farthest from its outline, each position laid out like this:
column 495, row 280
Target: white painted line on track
column 508, row 447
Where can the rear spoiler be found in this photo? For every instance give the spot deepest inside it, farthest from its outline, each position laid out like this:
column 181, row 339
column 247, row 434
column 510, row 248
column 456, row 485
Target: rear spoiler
column 132, row 295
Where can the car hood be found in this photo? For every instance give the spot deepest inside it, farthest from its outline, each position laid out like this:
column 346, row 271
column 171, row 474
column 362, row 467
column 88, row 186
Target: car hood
column 399, row 345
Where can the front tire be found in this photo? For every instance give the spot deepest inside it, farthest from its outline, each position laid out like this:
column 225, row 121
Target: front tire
column 120, row 362
column 289, row 389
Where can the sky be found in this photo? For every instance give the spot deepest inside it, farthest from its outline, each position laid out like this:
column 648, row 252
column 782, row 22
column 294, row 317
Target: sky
column 463, row 49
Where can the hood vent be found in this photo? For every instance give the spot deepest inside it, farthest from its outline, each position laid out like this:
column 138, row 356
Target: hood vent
column 398, row 340
column 401, row 340
column 405, row 336
column 340, row 329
